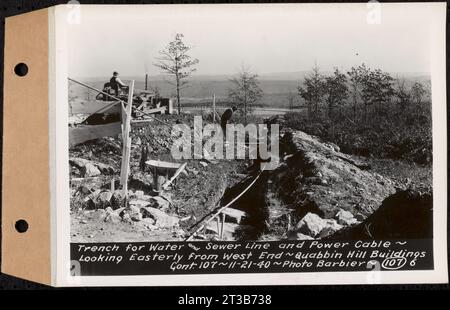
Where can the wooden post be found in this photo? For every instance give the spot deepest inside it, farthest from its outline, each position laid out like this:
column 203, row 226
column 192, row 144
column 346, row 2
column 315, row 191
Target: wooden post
column 222, row 226
column 126, row 126
column 219, row 229
column 214, row 108
column 146, row 81
column 288, row 222
column 170, row 106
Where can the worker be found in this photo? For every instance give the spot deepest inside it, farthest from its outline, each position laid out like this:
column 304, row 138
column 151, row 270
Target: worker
column 116, row 83
column 226, row 117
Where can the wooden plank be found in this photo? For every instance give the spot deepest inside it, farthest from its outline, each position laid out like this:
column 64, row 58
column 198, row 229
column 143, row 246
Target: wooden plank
column 163, row 164
column 123, row 117
column 156, row 110
column 89, row 132
column 146, row 120
column 234, row 215
column 125, row 169
column 89, row 107
column 170, row 111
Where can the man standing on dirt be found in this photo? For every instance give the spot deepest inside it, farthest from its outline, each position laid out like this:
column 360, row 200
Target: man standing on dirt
column 116, row 83
column 226, row 116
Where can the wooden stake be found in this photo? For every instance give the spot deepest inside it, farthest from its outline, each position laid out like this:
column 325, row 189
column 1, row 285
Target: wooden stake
column 214, row 108
column 219, row 230
column 289, row 222
column 223, row 226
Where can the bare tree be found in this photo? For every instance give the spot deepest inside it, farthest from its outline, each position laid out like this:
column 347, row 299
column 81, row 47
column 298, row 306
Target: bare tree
column 402, row 93
column 245, row 91
column 174, row 60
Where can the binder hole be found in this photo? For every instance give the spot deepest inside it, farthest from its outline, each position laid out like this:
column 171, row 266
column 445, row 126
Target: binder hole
column 21, row 69
column 21, row 226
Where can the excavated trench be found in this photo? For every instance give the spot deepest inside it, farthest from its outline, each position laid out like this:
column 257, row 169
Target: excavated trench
column 318, row 192
column 253, row 202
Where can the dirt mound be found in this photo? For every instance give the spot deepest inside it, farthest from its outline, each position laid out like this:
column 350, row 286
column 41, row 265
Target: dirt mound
column 316, row 177
column 317, row 190
column 403, row 215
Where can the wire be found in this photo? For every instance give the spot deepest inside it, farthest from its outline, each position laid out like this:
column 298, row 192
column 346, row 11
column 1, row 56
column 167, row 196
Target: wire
column 95, row 89
column 226, row 206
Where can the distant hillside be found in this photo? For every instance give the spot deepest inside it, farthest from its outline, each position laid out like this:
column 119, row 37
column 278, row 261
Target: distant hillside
column 277, row 87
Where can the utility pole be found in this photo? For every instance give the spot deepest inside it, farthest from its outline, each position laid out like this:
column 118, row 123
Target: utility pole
column 146, row 81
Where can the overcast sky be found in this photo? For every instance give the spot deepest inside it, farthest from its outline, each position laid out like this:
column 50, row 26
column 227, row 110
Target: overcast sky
column 268, row 38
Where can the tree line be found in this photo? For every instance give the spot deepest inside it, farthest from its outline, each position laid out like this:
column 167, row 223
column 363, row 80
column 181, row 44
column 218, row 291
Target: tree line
column 362, row 87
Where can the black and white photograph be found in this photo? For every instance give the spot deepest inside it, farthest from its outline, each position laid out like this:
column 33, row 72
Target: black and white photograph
column 282, row 138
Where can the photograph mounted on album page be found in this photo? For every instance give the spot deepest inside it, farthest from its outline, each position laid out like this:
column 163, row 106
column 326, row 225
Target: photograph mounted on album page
column 250, row 144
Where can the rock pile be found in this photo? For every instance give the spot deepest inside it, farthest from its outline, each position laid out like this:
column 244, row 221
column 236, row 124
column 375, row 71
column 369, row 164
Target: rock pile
column 151, row 210
column 88, row 168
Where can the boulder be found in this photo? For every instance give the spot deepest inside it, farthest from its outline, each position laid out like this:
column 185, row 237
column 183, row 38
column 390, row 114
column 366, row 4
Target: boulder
column 148, row 223
column 141, row 181
column 311, row 224
column 136, row 217
column 139, row 194
column 314, row 226
column 159, row 202
column 139, row 203
column 132, row 213
column 148, row 220
column 105, row 169
column 345, row 218
column 162, row 220
column 112, row 216
column 117, row 199
column 330, row 227
column 103, row 200
column 89, row 170
column 85, row 189
column 126, row 218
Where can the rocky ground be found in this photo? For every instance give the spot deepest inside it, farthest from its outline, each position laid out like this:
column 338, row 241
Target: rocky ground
column 98, row 210
column 316, row 192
